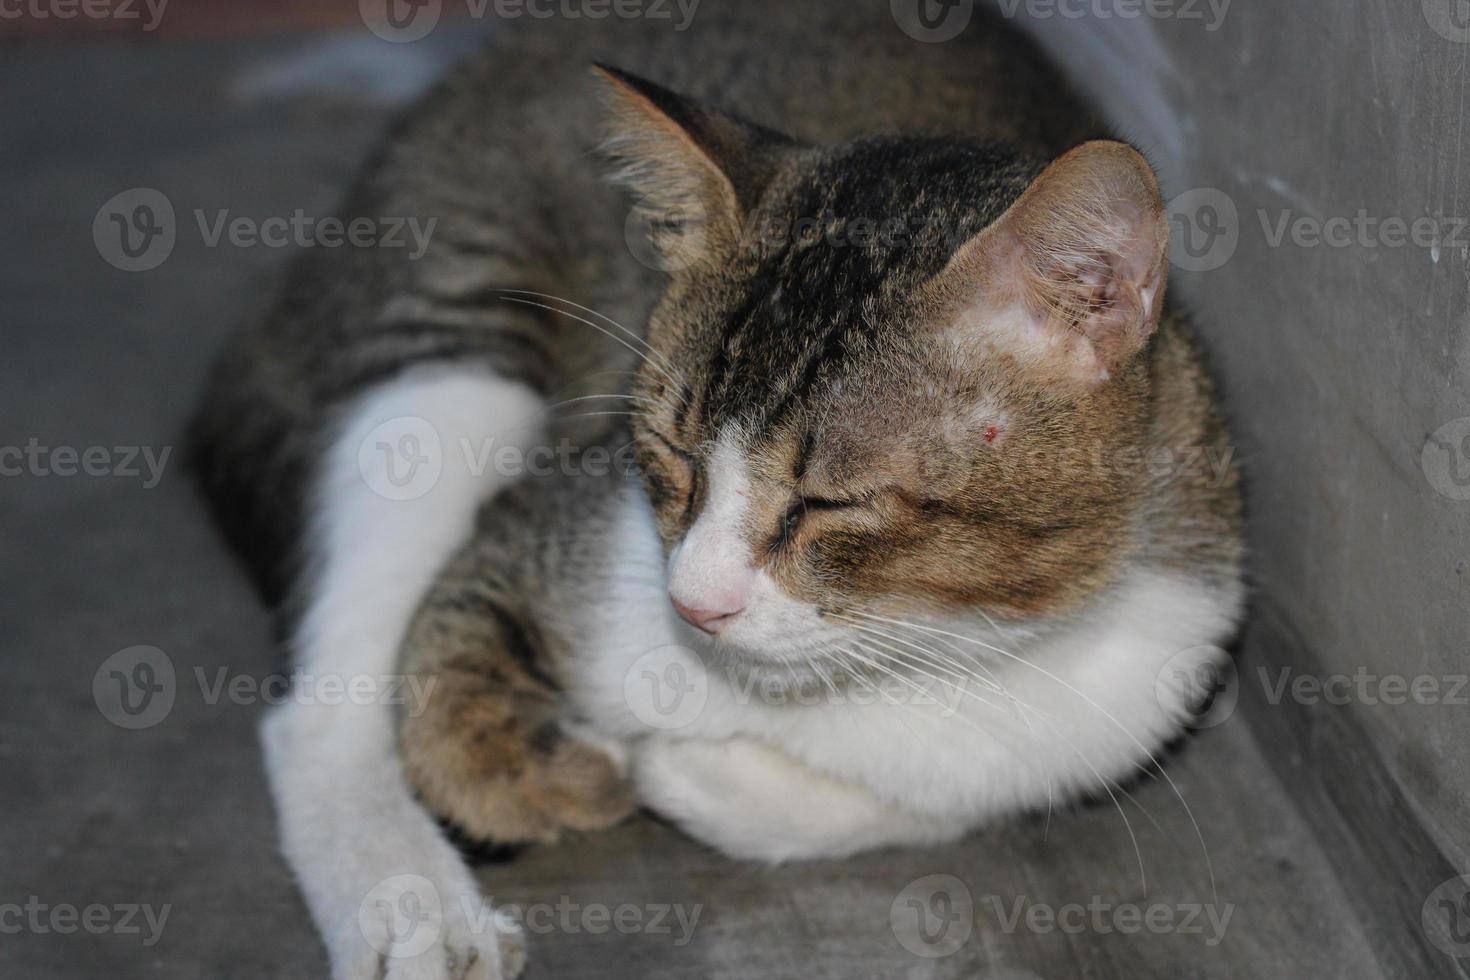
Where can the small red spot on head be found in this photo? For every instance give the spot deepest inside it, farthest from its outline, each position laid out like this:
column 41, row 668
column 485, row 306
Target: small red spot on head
column 992, row 433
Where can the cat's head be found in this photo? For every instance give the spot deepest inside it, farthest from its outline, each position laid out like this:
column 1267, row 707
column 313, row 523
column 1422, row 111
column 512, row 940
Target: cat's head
column 880, row 370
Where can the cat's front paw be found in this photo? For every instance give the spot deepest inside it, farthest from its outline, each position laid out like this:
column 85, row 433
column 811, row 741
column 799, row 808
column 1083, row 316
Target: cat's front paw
column 718, row 792
column 673, row 778
column 755, row 802
column 503, row 770
column 417, row 930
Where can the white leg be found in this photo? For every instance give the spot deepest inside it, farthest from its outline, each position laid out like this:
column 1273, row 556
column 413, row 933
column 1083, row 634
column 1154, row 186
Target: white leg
column 389, row 894
column 752, row 801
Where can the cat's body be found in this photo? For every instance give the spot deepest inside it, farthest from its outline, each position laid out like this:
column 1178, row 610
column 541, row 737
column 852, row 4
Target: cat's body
column 926, row 466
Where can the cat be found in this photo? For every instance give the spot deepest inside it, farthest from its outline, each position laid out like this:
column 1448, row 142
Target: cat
column 885, row 550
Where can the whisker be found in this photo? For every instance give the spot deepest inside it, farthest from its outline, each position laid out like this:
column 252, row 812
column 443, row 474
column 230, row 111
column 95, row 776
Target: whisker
column 549, row 409
column 827, row 680
column 989, row 679
column 666, row 372
column 874, row 688
column 1106, row 783
column 1153, row 760
column 588, row 415
column 633, row 334
column 924, row 668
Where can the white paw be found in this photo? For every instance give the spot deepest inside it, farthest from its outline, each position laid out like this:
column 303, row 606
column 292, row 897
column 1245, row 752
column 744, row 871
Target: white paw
column 716, row 792
column 756, row 803
column 410, row 928
column 674, row 779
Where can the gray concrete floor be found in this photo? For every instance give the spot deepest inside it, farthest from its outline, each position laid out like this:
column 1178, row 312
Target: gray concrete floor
column 176, row 815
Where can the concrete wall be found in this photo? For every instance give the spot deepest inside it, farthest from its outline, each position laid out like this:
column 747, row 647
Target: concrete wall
column 1346, row 361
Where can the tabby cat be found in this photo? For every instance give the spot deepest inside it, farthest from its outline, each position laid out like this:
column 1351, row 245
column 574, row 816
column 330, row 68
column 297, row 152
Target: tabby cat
column 864, row 538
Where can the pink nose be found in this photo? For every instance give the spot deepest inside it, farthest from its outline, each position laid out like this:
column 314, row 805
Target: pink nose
column 709, row 620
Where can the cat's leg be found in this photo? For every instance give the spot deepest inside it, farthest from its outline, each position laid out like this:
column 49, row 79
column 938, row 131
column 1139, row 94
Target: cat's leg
column 389, row 894
column 755, row 802
column 489, row 749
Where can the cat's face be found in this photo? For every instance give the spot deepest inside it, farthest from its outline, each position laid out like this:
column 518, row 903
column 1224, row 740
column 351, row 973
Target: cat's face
column 839, row 422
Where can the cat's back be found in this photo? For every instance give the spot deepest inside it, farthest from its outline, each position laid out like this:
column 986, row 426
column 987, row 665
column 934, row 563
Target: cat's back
column 502, row 154
column 509, row 139
column 823, row 72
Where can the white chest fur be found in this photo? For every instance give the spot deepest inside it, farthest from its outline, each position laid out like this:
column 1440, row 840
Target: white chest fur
column 1001, row 728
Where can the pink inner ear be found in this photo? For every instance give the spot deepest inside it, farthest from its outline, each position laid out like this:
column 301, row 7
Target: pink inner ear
column 1070, row 280
column 1095, row 241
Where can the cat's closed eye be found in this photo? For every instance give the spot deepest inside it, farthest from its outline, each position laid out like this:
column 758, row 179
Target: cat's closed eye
column 804, row 507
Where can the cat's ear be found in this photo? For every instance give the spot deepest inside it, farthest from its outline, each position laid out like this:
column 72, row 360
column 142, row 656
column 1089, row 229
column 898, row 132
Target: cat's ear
column 696, row 171
column 1071, row 278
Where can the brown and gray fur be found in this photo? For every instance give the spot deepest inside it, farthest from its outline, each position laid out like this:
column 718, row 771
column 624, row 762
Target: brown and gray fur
column 825, row 355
